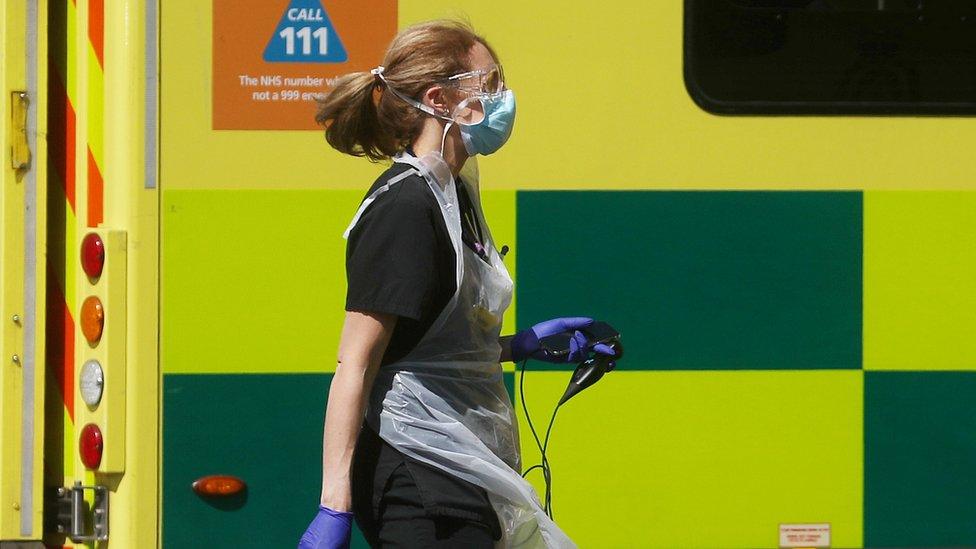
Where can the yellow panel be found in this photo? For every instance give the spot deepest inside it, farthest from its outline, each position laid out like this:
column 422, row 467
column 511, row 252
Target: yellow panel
column 602, row 104
column 285, row 311
column 919, row 280
column 279, row 294
column 23, row 219
column 94, row 111
column 12, row 81
column 72, row 40
column 702, row 459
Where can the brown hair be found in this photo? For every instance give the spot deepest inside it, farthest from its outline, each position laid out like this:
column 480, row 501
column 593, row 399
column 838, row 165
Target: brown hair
column 362, row 118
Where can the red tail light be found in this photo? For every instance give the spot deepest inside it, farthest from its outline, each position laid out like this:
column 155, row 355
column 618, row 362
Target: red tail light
column 91, row 446
column 92, row 255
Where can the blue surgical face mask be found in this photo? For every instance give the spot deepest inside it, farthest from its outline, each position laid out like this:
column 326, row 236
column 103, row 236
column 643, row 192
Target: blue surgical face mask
column 488, row 135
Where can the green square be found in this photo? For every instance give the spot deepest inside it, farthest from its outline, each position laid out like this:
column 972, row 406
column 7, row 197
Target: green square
column 264, row 429
column 700, row 280
column 920, row 459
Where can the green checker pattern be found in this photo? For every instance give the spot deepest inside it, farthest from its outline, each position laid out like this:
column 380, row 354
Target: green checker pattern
column 749, row 395
column 772, row 281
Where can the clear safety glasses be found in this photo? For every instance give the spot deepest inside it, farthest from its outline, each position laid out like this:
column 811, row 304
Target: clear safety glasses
column 481, row 85
column 488, row 82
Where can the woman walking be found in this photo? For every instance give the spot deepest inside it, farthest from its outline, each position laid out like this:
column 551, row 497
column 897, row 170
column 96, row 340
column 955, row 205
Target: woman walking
column 436, row 463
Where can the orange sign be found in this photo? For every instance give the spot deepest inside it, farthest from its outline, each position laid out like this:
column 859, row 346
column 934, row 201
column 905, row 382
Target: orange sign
column 271, row 58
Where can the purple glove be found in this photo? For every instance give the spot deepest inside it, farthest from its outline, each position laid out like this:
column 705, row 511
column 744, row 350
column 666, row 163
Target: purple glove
column 526, row 344
column 329, row 530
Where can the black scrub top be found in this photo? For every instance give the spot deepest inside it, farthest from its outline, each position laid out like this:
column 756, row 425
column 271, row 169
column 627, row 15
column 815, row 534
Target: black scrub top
column 400, row 260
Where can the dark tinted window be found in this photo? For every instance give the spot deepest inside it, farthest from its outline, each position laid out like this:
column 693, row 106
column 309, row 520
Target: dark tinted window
column 831, row 56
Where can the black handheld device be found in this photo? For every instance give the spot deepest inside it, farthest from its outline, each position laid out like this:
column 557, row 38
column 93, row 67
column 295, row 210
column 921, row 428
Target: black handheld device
column 591, row 370
column 598, row 332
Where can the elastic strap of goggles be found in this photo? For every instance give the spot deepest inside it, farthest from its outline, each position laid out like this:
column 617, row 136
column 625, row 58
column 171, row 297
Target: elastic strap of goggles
column 378, row 72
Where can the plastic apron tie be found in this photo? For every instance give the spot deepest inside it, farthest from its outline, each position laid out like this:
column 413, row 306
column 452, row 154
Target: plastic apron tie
column 445, row 403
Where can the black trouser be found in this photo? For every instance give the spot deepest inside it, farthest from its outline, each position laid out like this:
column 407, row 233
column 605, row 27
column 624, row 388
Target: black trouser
column 389, row 507
column 403, row 522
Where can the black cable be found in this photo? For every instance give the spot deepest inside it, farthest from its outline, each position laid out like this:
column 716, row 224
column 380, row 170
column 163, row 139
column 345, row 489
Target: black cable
column 527, row 471
column 546, row 469
column 528, row 417
column 545, row 446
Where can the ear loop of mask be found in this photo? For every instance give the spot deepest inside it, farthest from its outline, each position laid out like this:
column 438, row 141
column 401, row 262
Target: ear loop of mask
column 447, row 128
column 378, row 72
column 451, row 121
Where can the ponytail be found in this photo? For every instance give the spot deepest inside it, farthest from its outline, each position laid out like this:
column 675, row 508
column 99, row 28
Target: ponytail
column 351, row 122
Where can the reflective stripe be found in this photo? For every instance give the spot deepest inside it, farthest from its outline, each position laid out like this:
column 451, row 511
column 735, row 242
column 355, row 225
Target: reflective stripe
column 372, row 197
column 151, row 77
column 29, row 317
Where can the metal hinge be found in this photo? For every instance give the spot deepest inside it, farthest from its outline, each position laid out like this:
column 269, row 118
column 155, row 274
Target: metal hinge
column 72, row 517
column 20, row 154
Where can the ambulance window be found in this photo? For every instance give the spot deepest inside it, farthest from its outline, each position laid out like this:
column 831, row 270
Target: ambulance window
column 831, row 56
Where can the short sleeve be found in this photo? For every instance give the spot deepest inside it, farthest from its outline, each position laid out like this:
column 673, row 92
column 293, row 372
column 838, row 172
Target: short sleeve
column 391, row 254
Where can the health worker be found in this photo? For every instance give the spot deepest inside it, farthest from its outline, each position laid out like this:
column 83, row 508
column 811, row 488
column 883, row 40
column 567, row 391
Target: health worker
column 421, row 440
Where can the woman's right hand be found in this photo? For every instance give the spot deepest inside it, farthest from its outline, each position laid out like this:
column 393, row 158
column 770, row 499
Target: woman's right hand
column 364, row 338
column 328, row 530
column 526, row 344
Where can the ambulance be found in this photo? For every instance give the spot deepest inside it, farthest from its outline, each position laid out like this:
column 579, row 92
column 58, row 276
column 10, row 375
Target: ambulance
column 772, row 200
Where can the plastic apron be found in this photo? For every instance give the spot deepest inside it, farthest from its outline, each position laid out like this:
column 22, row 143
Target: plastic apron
column 445, row 403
